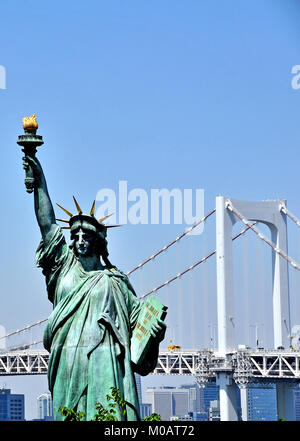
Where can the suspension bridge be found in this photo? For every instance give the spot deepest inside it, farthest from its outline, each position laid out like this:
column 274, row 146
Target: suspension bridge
column 231, row 366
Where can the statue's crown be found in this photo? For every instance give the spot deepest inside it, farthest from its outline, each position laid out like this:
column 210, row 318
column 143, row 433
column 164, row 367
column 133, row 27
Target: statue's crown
column 85, row 221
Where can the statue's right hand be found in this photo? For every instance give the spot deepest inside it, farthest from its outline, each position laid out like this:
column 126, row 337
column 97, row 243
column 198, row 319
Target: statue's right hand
column 32, row 163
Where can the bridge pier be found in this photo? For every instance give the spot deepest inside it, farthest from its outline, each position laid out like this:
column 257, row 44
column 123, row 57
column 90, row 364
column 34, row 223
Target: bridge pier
column 228, row 397
column 244, row 402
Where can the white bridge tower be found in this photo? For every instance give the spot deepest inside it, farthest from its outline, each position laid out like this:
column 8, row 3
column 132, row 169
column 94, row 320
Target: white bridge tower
column 269, row 213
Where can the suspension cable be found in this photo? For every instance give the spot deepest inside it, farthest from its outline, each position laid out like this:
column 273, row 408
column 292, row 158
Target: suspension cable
column 261, row 236
column 24, row 329
column 283, row 208
column 23, row 347
column 188, row 230
column 35, row 343
column 203, row 259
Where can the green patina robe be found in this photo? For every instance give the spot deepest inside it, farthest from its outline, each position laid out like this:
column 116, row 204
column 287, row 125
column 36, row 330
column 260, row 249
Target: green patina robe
column 88, row 333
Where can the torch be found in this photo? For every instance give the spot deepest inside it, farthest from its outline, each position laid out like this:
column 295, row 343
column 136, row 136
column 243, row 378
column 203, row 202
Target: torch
column 30, row 141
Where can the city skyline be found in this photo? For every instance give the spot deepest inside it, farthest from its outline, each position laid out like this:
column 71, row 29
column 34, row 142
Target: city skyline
column 173, row 401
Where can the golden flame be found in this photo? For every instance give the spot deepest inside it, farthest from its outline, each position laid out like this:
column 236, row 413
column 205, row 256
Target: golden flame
column 30, row 123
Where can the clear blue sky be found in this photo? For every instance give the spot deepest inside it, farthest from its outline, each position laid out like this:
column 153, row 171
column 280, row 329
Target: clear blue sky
column 166, row 94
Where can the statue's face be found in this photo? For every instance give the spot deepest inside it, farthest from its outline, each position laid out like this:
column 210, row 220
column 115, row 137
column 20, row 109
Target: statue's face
column 84, row 243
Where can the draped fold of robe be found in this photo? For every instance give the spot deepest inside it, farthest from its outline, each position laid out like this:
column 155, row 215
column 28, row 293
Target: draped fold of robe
column 88, row 332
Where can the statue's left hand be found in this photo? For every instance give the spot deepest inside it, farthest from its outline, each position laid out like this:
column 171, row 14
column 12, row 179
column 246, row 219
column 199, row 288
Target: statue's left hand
column 158, row 329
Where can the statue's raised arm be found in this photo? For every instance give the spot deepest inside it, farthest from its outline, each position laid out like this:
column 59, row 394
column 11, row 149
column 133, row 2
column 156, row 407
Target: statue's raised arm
column 35, row 178
column 42, row 203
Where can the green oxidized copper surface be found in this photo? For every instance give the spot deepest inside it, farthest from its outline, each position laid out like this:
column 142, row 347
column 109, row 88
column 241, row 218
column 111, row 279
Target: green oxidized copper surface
column 95, row 310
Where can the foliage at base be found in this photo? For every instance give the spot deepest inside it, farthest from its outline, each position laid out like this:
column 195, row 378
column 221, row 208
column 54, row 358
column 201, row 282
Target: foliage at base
column 116, row 402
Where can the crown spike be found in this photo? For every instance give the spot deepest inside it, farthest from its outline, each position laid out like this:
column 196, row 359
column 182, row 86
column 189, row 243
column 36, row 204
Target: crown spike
column 66, row 211
column 111, row 226
column 92, row 212
column 63, row 220
column 105, row 217
column 77, row 206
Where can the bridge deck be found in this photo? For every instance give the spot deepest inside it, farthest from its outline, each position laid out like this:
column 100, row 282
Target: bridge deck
column 245, row 365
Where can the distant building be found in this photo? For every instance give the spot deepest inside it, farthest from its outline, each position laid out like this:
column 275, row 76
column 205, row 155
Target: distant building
column 145, row 410
column 161, row 402
column 138, row 381
column 214, row 411
column 45, row 407
column 200, row 416
column 195, row 397
column 187, row 417
column 297, row 402
column 261, row 402
column 207, row 394
column 170, row 401
column 12, row 406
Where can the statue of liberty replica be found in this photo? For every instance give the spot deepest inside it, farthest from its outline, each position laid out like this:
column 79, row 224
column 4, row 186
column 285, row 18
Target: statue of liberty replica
column 96, row 313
